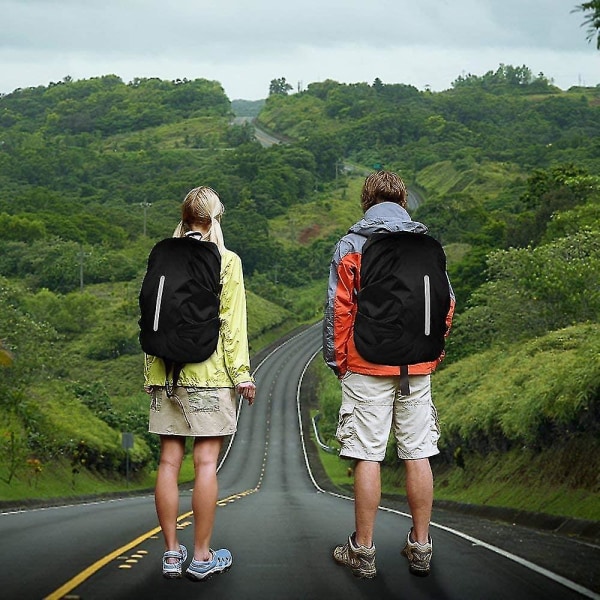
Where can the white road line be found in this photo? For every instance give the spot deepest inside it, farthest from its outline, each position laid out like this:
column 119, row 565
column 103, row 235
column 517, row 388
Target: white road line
column 517, row 559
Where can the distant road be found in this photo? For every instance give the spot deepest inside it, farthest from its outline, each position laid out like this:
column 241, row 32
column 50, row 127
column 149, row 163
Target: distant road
column 262, row 136
column 413, row 200
column 267, row 140
column 278, row 522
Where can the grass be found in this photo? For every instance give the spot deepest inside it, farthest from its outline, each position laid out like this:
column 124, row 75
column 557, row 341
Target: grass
column 483, row 181
column 496, row 400
column 515, row 480
column 56, row 480
column 474, row 398
column 456, row 252
column 194, row 132
column 338, row 470
column 333, row 213
column 525, row 480
column 499, row 393
column 263, row 316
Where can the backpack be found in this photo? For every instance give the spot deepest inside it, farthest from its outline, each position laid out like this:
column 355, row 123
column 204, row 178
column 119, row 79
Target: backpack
column 403, row 300
column 179, row 303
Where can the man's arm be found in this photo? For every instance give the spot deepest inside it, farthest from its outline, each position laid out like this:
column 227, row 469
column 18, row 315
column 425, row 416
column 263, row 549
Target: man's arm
column 450, row 314
column 340, row 307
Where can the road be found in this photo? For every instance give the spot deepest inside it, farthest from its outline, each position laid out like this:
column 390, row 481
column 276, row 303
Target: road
column 265, row 139
column 278, row 522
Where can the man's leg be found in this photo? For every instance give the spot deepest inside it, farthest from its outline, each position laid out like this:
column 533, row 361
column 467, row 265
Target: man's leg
column 364, row 425
column 416, row 430
column 367, row 495
column 419, row 491
column 358, row 552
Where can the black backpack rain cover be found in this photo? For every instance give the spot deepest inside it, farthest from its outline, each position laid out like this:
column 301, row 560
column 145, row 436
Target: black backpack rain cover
column 403, row 300
column 179, row 301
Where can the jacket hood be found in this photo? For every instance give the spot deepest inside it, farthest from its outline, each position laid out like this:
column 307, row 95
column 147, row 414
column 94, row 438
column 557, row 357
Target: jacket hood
column 386, row 216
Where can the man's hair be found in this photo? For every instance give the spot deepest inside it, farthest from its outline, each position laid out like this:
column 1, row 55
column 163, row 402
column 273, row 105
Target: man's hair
column 383, row 186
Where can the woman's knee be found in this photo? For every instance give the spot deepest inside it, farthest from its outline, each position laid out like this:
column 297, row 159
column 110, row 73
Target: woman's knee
column 171, row 452
column 206, row 452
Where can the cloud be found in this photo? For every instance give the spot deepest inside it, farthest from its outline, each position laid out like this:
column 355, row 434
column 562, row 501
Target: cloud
column 245, row 45
column 140, row 27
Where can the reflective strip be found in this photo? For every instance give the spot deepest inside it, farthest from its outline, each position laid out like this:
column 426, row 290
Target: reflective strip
column 427, row 305
column 161, row 286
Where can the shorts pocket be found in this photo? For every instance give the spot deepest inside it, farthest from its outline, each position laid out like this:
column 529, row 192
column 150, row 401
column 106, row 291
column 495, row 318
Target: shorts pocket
column 346, row 425
column 203, row 400
column 155, row 398
column 346, row 375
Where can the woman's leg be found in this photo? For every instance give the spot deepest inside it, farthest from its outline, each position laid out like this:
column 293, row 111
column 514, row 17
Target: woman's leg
column 205, row 494
column 166, row 495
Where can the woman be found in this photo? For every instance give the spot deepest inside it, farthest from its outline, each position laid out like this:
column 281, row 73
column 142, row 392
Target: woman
column 203, row 405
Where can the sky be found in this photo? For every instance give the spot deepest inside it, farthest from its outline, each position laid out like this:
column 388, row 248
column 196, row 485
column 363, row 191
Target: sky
column 244, row 44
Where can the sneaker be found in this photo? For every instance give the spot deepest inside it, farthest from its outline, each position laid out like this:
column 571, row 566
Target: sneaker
column 359, row 558
column 172, row 570
column 200, row 570
column 419, row 556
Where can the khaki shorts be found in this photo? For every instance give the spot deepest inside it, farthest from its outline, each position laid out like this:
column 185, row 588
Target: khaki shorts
column 371, row 405
column 193, row 411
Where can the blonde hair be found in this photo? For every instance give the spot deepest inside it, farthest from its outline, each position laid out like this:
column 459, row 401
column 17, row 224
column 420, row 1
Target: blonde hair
column 202, row 206
column 383, row 186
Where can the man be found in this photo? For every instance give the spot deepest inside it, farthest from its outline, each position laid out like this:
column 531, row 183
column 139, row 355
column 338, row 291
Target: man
column 373, row 396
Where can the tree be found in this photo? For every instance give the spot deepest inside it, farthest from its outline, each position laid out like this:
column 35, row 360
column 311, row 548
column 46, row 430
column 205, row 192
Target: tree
column 279, row 87
column 26, row 346
column 531, row 291
column 592, row 19
column 378, row 85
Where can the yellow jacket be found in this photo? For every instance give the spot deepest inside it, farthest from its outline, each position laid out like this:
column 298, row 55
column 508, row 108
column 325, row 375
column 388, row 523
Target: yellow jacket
column 230, row 362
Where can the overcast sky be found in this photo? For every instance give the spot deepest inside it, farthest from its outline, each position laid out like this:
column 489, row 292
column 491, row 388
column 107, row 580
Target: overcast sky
column 244, row 44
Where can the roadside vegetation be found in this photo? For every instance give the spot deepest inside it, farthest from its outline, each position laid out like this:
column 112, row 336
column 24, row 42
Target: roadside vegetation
column 507, row 171
column 520, row 426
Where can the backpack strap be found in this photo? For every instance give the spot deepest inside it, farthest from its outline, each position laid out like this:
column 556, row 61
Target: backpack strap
column 170, row 388
column 175, row 369
column 404, row 382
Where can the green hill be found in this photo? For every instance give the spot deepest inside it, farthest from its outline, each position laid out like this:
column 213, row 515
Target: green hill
column 92, row 173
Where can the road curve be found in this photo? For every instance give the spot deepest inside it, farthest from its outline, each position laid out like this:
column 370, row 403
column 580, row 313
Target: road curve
column 265, row 139
column 278, row 524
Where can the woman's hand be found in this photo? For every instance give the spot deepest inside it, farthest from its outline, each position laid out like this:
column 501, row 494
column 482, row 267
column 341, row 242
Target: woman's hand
column 247, row 390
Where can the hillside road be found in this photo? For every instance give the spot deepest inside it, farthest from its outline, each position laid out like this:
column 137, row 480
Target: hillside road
column 275, row 518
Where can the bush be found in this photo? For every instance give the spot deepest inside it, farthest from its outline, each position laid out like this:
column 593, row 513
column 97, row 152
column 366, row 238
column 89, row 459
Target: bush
column 532, row 393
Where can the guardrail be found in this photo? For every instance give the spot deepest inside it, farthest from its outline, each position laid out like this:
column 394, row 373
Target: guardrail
column 323, row 446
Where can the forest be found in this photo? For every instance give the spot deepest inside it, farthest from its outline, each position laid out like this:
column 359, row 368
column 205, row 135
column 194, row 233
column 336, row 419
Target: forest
column 506, row 168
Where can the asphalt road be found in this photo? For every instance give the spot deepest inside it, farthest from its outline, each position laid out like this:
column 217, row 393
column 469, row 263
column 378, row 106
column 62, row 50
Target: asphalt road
column 265, row 139
column 277, row 521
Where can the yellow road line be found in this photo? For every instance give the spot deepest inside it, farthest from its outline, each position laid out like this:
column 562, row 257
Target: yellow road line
column 87, row 573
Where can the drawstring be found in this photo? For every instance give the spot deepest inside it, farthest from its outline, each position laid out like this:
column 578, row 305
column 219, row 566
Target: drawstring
column 175, row 397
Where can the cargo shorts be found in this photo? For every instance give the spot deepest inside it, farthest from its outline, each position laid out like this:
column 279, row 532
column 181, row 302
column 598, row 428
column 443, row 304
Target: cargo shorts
column 373, row 405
